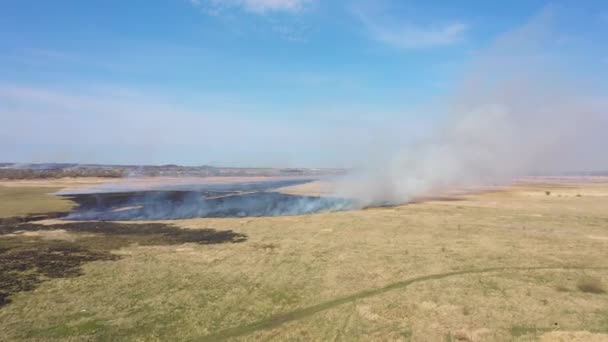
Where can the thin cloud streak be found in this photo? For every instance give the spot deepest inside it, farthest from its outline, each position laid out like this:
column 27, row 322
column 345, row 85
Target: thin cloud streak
column 415, row 37
column 405, row 35
column 253, row 6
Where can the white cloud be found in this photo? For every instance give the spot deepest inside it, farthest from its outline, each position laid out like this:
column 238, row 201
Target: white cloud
column 410, row 37
column 254, row 6
column 385, row 29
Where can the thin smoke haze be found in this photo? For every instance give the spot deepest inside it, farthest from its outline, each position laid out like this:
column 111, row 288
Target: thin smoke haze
column 519, row 110
column 516, row 112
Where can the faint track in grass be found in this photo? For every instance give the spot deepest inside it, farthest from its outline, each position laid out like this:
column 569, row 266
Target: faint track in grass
column 277, row 320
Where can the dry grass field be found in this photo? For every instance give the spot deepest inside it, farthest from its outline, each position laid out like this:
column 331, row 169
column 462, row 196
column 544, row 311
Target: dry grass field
column 524, row 264
column 23, row 200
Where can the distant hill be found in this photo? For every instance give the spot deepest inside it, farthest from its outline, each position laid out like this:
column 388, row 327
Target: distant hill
column 60, row 170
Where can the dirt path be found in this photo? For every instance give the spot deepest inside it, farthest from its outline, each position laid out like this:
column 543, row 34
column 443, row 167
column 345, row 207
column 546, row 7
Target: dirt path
column 280, row 319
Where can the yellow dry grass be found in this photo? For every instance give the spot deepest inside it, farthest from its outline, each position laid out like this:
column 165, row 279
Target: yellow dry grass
column 23, row 200
column 496, row 266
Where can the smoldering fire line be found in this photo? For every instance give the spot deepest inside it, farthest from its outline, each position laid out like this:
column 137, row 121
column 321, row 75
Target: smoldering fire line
column 166, row 205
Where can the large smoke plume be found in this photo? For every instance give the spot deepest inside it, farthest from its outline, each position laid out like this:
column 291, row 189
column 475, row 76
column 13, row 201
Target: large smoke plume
column 124, row 202
column 519, row 110
column 526, row 106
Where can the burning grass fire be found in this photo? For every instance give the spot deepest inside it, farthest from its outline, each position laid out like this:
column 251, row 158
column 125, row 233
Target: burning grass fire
column 220, row 200
column 171, row 205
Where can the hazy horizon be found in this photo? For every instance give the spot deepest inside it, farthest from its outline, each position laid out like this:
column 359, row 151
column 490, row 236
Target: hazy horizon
column 297, row 83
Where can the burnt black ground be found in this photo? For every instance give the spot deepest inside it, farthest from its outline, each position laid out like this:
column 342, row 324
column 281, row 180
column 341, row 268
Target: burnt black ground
column 27, row 261
column 169, row 205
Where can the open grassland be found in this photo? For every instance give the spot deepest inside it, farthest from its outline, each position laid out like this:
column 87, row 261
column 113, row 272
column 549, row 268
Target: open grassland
column 528, row 263
column 24, row 200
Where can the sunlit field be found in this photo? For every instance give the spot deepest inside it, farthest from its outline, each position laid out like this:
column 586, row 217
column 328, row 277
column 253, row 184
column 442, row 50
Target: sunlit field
column 524, row 263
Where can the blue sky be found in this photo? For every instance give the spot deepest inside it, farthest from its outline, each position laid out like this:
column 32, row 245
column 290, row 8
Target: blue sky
column 251, row 82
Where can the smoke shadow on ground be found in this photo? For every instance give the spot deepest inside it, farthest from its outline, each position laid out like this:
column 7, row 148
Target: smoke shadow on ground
column 169, row 205
column 28, row 257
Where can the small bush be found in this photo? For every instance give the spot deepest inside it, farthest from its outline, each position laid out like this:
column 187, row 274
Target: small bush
column 548, row 193
column 591, row 285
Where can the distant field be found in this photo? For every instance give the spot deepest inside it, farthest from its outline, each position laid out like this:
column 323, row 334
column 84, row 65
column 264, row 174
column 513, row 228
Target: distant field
column 524, row 264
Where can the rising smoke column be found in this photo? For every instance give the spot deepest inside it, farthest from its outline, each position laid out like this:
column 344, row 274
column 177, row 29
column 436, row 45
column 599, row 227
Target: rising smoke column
column 518, row 111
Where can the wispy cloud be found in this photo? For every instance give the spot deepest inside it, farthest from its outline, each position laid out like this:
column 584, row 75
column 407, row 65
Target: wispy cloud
column 410, row 37
column 253, row 6
column 405, row 35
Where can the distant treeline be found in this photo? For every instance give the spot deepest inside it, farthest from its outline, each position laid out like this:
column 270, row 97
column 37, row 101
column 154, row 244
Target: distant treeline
column 44, row 174
column 53, row 170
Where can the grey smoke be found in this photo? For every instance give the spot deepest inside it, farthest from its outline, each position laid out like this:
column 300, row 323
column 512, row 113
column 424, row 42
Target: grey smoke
column 203, row 200
column 518, row 111
column 168, row 206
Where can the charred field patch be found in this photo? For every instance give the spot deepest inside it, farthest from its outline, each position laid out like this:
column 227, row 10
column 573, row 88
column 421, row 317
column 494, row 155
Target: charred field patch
column 28, row 257
column 170, row 205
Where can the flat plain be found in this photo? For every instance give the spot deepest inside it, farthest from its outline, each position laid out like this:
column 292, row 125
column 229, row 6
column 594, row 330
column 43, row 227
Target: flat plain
column 528, row 262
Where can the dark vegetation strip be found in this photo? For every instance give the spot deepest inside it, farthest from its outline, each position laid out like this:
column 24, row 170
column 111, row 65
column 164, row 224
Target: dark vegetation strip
column 275, row 321
column 27, row 261
column 13, row 174
column 7, row 221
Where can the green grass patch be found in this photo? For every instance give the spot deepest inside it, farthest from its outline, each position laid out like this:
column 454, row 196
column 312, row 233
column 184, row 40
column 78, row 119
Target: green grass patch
column 21, row 201
column 591, row 285
column 406, row 334
column 524, row 330
column 91, row 327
